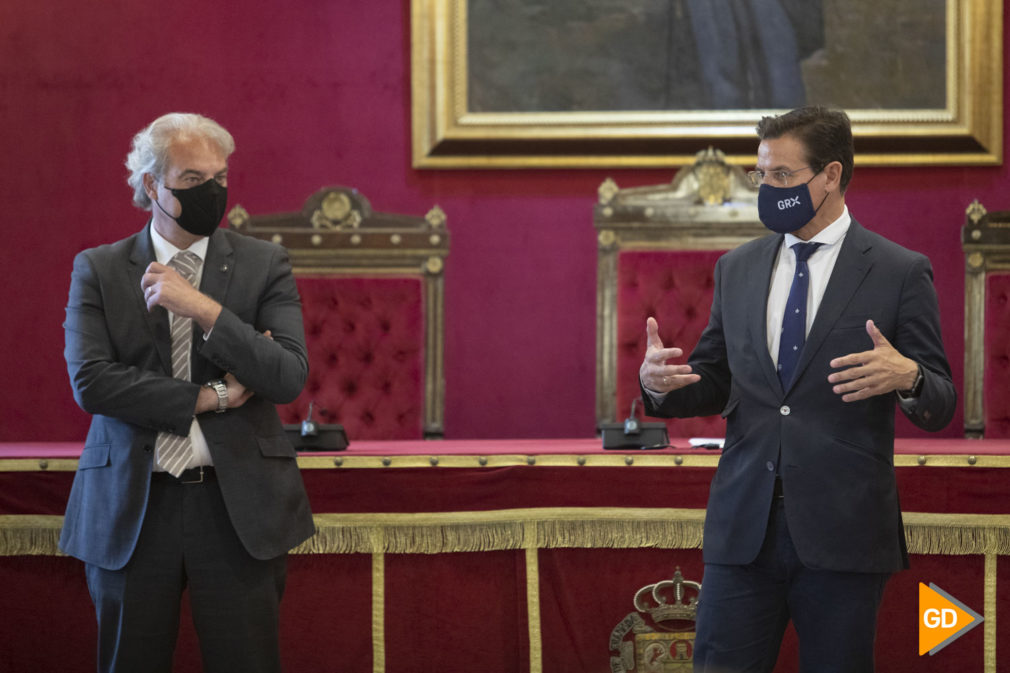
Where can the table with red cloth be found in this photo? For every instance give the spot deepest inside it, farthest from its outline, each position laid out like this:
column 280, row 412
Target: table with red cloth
column 509, row 555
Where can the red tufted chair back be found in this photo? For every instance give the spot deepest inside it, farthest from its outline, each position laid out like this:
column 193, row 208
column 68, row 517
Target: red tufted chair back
column 675, row 287
column 985, row 239
column 657, row 248
column 365, row 338
column 371, row 285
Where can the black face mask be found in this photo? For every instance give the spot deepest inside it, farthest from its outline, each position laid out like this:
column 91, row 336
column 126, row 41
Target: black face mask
column 203, row 207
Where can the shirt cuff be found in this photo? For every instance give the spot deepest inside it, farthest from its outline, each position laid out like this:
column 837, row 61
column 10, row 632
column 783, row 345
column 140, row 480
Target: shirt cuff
column 656, row 397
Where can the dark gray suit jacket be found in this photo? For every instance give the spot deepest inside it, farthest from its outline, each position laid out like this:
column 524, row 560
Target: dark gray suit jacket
column 841, row 500
column 118, row 357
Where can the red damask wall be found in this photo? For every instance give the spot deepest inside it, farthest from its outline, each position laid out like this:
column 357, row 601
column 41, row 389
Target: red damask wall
column 317, row 92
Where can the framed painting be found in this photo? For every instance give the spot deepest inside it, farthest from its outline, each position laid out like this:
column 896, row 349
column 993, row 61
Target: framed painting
column 649, row 83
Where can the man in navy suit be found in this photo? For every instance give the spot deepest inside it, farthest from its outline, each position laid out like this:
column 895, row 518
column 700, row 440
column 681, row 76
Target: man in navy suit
column 179, row 341
column 816, row 334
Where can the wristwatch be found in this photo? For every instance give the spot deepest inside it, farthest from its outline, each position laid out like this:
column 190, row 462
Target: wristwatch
column 916, row 388
column 222, row 394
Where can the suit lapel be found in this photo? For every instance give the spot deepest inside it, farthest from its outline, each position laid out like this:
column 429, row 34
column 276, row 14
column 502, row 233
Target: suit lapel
column 851, row 268
column 757, row 303
column 217, row 273
column 157, row 320
column 217, row 267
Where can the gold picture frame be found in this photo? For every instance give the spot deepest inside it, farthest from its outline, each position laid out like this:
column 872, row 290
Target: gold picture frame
column 967, row 130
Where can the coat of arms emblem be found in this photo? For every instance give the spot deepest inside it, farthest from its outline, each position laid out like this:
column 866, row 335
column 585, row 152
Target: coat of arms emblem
column 659, row 637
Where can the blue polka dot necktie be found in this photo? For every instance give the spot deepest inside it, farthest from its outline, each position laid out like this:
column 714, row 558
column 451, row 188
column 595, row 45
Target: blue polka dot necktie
column 794, row 321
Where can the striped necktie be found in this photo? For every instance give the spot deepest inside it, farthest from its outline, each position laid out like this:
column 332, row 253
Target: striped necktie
column 173, row 452
column 794, row 321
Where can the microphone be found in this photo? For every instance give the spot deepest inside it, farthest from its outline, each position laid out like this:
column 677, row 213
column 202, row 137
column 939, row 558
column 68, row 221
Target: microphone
column 309, row 427
column 631, row 426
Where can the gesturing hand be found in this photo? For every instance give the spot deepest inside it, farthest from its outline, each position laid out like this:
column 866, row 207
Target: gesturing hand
column 655, row 374
column 874, row 372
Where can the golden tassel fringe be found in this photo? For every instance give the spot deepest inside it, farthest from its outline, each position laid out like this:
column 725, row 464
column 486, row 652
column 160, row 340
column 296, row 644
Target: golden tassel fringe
column 545, row 528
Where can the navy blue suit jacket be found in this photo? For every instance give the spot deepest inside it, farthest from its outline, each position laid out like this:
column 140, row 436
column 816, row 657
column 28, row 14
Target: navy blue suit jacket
column 837, row 458
column 118, row 357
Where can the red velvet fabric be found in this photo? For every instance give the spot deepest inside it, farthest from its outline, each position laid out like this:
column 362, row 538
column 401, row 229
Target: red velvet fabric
column 456, row 612
column 996, row 380
column 464, row 612
column 365, row 338
column 674, row 287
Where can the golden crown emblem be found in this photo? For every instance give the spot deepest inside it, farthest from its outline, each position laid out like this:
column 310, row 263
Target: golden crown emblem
column 665, row 601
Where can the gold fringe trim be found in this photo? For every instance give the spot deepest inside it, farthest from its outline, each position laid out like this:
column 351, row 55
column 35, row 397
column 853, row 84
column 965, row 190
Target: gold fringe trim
column 445, row 532
column 541, row 528
column 30, row 535
column 957, row 534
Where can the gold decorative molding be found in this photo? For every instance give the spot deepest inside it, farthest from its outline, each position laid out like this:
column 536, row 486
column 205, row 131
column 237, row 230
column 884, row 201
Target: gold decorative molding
column 602, row 459
column 447, row 133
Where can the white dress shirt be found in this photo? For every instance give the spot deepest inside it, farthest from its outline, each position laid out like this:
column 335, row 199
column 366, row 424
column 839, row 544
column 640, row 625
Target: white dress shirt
column 821, row 263
column 163, row 253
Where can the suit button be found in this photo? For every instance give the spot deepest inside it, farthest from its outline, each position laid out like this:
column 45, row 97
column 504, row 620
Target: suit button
column 770, row 465
column 147, row 448
column 784, row 410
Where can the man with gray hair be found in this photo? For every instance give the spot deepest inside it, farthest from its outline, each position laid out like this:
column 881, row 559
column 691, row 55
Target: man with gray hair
column 180, row 340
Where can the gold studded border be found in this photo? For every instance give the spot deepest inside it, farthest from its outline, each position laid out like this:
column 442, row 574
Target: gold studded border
column 642, row 459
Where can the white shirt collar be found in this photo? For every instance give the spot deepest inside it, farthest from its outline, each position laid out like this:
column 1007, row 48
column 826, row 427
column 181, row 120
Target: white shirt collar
column 829, row 235
column 165, row 251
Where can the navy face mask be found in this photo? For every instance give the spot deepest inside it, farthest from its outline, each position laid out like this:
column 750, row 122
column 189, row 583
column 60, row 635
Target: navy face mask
column 203, row 207
column 786, row 209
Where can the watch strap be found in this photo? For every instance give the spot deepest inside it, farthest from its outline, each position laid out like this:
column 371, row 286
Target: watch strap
column 221, row 389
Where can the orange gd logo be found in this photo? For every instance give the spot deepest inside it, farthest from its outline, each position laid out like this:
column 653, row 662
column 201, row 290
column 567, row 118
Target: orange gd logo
column 942, row 619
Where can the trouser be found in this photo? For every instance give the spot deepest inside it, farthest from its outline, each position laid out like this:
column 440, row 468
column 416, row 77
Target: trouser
column 187, row 542
column 743, row 611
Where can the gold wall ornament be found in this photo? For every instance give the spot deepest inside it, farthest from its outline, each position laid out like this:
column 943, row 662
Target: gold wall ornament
column 338, row 233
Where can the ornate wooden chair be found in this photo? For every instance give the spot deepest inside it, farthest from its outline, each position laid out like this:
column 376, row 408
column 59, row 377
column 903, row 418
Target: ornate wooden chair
column 985, row 238
column 372, row 289
column 657, row 247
